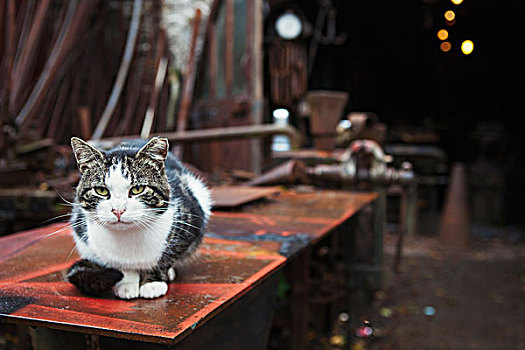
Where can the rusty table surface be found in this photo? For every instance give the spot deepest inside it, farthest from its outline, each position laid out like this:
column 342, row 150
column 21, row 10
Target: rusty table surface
column 234, row 196
column 240, row 250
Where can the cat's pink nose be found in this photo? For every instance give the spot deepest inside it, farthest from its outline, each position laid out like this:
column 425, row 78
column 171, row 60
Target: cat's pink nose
column 118, row 212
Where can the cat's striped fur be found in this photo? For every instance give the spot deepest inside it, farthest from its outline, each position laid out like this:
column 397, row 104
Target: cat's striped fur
column 138, row 214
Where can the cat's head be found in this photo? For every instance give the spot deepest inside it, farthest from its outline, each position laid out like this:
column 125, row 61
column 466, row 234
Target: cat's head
column 123, row 187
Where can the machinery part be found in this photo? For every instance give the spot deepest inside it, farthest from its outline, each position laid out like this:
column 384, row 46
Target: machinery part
column 361, row 155
column 326, row 110
column 364, row 160
column 215, row 134
column 288, row 172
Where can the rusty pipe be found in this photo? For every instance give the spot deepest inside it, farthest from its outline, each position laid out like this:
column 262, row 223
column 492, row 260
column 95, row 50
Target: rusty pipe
column 335, row 172
column 218, row 134
column 285, row 173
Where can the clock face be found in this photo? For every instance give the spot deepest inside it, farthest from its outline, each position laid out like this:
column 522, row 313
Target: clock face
column 288, row 26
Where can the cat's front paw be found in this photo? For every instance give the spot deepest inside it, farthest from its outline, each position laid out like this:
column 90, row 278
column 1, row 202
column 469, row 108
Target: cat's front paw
column 152, row 290
column 126, row 290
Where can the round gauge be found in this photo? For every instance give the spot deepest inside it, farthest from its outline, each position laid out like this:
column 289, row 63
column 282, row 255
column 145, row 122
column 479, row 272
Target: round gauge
column 288, row 26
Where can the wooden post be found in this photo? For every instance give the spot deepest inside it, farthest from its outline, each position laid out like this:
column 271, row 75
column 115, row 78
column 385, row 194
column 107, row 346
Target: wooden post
column 189, row 77
column 228, row 47
column 256, row 74
column 84, row 117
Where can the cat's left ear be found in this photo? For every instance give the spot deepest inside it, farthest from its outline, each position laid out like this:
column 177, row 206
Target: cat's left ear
column 156, row 148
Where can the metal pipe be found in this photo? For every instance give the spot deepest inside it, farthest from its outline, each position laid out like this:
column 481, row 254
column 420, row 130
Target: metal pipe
column 217, row 134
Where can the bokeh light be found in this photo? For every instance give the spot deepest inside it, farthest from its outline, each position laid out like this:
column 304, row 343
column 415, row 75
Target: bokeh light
column 281, row 113
column 445, row 46
column 450, row 15
column 456, row 2
column 467, row 47
column 442, row 34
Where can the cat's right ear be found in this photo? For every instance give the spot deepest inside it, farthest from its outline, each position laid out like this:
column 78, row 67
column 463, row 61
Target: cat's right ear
column 85, row 154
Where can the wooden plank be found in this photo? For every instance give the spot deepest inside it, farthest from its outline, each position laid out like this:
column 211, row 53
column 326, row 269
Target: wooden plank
column 28, row 49
column 77, row 17
column 84, row 118
column 161, row 65
column 189, row 76
column 6, row 63
column 123, row 71
column 229, row 46
column 256, row 78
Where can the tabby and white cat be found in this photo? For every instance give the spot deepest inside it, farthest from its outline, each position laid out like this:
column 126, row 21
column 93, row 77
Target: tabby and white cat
column 138, row 214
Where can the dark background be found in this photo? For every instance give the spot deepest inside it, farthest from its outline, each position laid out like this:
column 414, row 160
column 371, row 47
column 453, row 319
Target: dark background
column 391, row 64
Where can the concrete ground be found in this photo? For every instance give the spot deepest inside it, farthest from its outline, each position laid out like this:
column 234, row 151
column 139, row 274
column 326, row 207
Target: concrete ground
column 446, row 299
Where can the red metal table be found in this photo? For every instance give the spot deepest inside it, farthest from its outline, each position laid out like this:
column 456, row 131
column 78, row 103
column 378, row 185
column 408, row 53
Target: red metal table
column 242, row 250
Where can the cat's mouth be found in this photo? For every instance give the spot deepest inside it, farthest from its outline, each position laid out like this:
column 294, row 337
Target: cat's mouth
column 121, row 223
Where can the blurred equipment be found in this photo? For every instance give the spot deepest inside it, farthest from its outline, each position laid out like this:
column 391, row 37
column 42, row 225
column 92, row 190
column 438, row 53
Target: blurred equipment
column 455, row 224
column 327, row 12
column 360, row 125
column 288, row 76
column 362, row 166
column 364, row 160
column 326, row 109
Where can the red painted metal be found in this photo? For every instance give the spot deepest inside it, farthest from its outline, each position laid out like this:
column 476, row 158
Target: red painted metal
column 34, row 290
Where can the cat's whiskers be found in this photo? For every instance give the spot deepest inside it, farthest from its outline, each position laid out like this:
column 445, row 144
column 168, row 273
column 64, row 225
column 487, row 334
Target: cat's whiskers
column 175, row 222
column 146, row 221
column 65, row 200
column 56, row 217
column 72, row 250
column 183, row 229
column 188, row 214
column 67, row 205
column 141, row 222
column 173, row 203
column 185, row 223
column 83, row 221
column 98, row 221
column 65, row 228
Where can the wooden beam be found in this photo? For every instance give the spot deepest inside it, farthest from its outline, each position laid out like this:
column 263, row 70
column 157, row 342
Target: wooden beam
column 27, row 53
column 189, row 76
column 256, row 73
column 229, row 46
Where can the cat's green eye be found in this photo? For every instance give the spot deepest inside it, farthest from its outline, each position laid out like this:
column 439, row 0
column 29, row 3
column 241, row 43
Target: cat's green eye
column 102, row 191
column 137, row 189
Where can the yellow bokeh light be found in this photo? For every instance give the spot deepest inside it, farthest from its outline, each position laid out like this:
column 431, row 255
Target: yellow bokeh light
column 456, row 2
column 445, row 46
column 467, row 47
column 442, row 34
column 450, row 15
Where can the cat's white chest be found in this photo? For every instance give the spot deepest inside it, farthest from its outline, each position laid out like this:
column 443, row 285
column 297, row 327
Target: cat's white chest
column 135, row 248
